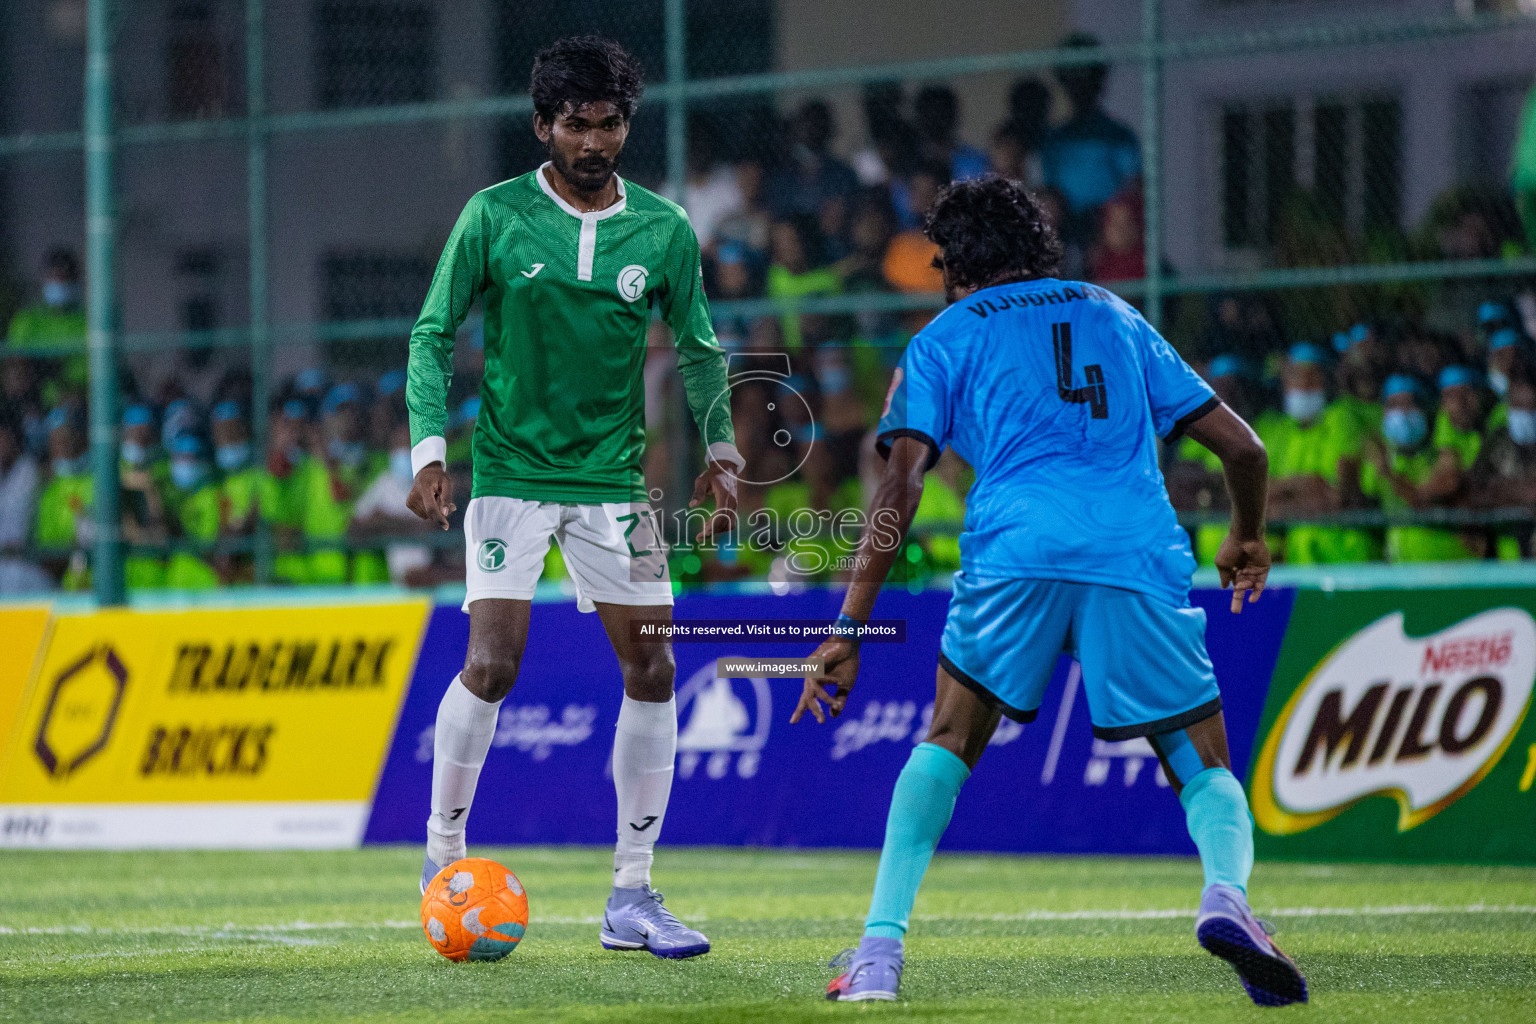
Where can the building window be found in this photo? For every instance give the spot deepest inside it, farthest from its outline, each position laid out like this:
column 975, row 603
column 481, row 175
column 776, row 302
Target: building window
column 1343, row 155
column 197, row 62
column 374, row 53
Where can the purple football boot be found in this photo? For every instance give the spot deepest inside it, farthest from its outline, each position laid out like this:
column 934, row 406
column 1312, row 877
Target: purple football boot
column 1228, row 929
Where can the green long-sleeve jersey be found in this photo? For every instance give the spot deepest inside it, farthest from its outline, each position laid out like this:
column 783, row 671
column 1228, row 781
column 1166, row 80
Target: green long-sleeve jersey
column 568, row 300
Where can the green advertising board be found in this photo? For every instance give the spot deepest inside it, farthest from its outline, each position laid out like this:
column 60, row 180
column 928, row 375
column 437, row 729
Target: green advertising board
column 1397, row 727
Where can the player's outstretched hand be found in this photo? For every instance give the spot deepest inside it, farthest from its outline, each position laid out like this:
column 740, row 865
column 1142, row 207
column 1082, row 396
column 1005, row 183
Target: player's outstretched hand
column 1244, row 566
column 841, row 660
column 719, row 482
column 431, row 495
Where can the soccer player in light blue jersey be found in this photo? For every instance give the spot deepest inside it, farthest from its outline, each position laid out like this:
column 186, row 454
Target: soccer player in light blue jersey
column 1057, row 393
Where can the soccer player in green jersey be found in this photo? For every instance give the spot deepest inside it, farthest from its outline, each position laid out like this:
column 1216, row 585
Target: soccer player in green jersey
column 570, row 261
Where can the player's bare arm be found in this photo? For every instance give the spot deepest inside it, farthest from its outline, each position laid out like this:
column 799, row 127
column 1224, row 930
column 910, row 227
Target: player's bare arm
column 891, row 512
column 1243, row 559
column 431, row 495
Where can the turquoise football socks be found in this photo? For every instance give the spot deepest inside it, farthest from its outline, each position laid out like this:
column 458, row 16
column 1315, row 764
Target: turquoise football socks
column 1220, row 825
column 921, row 806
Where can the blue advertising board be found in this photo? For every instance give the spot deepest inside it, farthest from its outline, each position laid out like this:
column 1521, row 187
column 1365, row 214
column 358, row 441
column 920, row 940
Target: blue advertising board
column 746, row 776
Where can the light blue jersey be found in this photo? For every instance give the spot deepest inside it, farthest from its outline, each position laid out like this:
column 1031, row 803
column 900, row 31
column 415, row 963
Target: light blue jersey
column 1056, row 393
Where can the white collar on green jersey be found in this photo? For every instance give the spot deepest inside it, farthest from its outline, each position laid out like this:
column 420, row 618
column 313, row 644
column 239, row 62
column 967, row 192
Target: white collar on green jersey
column 586, row 247
column 604, row 214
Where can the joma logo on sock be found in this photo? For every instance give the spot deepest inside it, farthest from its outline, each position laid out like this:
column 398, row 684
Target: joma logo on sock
column 1420, row 719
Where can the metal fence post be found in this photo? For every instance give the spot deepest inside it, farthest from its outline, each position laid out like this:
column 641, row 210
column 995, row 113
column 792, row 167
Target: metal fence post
column 1152, row 157
column 101, row 304
column 676, row 39
column 256, row 227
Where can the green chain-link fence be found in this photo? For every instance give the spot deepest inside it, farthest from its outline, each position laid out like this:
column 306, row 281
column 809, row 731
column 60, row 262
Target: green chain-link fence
column 256, row 192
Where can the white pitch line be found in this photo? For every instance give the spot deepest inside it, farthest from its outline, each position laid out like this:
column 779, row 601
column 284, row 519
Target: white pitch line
column 1152, row 915
column 231, row 930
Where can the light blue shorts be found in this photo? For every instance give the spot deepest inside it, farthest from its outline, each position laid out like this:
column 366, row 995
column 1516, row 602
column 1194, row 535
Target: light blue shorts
column 1145, row 668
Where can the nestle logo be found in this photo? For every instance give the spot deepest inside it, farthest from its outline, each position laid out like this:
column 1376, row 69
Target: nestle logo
column 1468, row 654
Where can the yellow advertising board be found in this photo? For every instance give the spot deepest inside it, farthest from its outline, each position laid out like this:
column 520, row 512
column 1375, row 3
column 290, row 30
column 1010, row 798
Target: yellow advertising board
column 228, row 727
column 22, row 628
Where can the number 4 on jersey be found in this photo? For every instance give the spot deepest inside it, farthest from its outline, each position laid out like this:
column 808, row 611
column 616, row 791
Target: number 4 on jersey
column 1095, row 393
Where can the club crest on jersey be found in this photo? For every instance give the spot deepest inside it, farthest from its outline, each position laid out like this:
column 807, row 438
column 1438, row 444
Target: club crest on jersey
column 1420, row 719
column 492, row 556
column 632, row 282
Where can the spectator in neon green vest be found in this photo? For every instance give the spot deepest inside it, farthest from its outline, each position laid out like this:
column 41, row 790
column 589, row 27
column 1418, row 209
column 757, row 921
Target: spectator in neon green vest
column 248, row 494
column 55, row 326
column 1459, row 424
column 144, row 475
column 1410, row 473
column 1314, row 464
column 1363, row 365
column 286, row 458
column 1193, row 474
column 193, row 503
column 58, row 321
column 331, row 483
column 63, row 524
column 381, row 512
column 1504, row 475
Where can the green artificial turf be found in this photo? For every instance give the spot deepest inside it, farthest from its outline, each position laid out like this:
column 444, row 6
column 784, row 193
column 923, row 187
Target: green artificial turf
column 111, row 938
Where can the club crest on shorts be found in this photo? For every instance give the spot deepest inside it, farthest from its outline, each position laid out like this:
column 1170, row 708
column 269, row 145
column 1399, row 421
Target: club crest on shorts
column 632, row 281
column 492, row 556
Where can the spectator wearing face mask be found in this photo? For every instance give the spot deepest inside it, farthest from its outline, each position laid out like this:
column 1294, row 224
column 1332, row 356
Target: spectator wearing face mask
column 381, row 512
column 1504, row 475
column 145, row 478
column 63, row 526
column 1509, row 356
column 248, row 493
column 1409, row 473
column 193, row 504
column 1314, row 464
column 331, row 484
column 57, row 321
column 54, row 327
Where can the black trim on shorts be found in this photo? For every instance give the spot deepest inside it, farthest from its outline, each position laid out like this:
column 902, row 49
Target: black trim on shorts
column 1008, row 710
column 1179, row 721
column 1182, row 423
column 883, row 444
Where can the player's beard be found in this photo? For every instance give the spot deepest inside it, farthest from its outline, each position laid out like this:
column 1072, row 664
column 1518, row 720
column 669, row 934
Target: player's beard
column 589, row 174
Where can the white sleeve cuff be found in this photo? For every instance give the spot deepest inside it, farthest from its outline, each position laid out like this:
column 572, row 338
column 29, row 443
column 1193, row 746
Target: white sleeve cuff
column 427, row 451
column 726, row 454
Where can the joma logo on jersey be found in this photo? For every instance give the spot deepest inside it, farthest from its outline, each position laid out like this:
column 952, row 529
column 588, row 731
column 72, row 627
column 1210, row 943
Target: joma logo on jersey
column 1420, row 719
column 631, row 281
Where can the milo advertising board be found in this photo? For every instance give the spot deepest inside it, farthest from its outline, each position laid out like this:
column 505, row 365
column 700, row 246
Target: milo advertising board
column 1398, row 727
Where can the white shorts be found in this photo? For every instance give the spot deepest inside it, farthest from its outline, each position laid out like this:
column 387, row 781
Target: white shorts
column 613, row 551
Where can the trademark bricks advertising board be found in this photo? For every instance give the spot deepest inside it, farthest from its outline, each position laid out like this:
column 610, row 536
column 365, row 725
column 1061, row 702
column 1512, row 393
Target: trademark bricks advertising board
column 220, row 728
column 746, row 776
column 1398, row 728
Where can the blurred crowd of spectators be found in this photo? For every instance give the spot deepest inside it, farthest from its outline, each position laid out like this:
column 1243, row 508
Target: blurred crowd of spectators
column 1385, row 416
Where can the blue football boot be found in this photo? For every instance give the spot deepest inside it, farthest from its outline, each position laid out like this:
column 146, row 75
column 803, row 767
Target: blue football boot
column 637, row 919
column 873, row 972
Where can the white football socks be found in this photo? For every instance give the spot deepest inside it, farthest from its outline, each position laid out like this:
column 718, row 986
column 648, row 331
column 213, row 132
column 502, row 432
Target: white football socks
column 460, row 741
column 644, row 749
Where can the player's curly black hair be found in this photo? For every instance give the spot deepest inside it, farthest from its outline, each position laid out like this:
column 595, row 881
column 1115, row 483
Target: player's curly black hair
column 572, row 72
column 991, row 230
